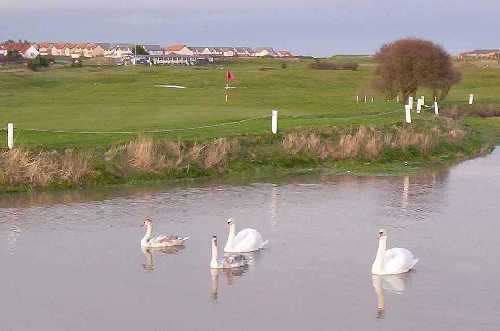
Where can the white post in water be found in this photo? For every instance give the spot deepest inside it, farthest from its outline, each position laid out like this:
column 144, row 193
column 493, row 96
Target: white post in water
column 419, row 105
column 373, row 99
column 10, row 135
column 436, row 108
column 274, row 122
column 408, row 113
column 471, row 99
column 357, row 98
column 365, row 98
column 410, row 102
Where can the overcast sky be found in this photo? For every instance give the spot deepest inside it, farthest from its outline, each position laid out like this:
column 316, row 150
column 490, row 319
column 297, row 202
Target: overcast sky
column 313, row 27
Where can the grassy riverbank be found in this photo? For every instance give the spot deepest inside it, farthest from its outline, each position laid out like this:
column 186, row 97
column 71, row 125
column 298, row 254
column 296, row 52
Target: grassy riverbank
column 91, row 124
column 354, row 149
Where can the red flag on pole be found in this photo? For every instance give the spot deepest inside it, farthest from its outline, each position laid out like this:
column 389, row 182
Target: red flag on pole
column 229, row 76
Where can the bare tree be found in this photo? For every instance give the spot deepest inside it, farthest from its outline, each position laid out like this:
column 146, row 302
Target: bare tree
column 408, row 64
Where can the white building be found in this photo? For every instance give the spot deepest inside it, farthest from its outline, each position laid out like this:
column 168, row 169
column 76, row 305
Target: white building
column 179, row 49
column 29, row 52
column 153, row 49
column 264, row 51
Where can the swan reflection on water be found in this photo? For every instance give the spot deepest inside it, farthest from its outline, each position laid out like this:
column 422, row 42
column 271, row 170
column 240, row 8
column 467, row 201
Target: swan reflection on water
column 148, row 265
column 395, row 284
column 231, row 275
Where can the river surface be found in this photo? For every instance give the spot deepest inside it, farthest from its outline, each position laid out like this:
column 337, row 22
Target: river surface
column 72, row 261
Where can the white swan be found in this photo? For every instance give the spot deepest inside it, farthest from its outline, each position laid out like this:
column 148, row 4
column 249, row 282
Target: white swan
column 247, row 240
column 160, row 241
column 226, row 262
column 393, row 261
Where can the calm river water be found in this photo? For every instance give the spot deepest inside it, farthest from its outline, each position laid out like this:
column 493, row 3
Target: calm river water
column 73, row 261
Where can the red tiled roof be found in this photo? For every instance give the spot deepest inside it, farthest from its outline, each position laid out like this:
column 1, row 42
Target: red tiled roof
column 45, row 45
column 175, row 48
column 19, row 47
column 60, row 45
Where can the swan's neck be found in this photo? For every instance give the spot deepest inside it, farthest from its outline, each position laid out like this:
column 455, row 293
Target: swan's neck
column 147, row 236
column 215, row 283
column 213, row 261
column 230, row 237
column 377, row 285
column 378, row 264
column 149, row 264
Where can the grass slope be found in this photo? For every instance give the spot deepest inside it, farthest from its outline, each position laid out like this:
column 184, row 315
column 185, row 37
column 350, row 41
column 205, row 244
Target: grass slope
column 126, row 99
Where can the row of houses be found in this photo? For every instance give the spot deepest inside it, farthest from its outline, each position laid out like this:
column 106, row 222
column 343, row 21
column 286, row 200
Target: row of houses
column 484, row 54
column 228, row 51
column 123, row 50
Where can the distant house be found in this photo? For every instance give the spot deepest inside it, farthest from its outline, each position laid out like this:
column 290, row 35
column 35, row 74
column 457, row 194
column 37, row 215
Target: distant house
column 481, row 54
column 228, row 51
column 178, row 49
column 45, row 49
column 107, row 48
column 283, row 53
column 3, row 51
column 153, row 49
column 207, row 51
column 217, row 51
column 122, row 50
column 56, row 49
column 264, row 51
column 27, row 51
column 173, row 59
column 77, row 50
column 244, row 51
column 198, row 50
column 92, row 50
column 66, row 50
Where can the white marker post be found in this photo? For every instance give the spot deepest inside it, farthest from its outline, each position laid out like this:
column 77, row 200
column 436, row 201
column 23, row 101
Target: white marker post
column 436, row 108
column 397, row 98
column 419, row 105
column 423, row 100
column 410, row 102
column 274, row 122
column 373, row 99
column 10, row 135
column 365, row 98
column 471, row 99
column 408, row 113
column 357, row 98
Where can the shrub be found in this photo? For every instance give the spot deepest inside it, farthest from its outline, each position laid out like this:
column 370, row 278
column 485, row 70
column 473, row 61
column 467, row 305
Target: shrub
column 408, row 64
column 77, row 63
column 328, row 65
column 38, row 63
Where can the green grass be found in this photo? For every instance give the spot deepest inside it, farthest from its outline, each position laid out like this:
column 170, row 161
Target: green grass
column 126, row 99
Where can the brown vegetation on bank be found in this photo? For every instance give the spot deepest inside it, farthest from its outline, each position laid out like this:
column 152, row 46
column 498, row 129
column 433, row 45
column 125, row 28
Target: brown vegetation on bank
column 457, row 112
column 166, row 158
column 368, row 143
